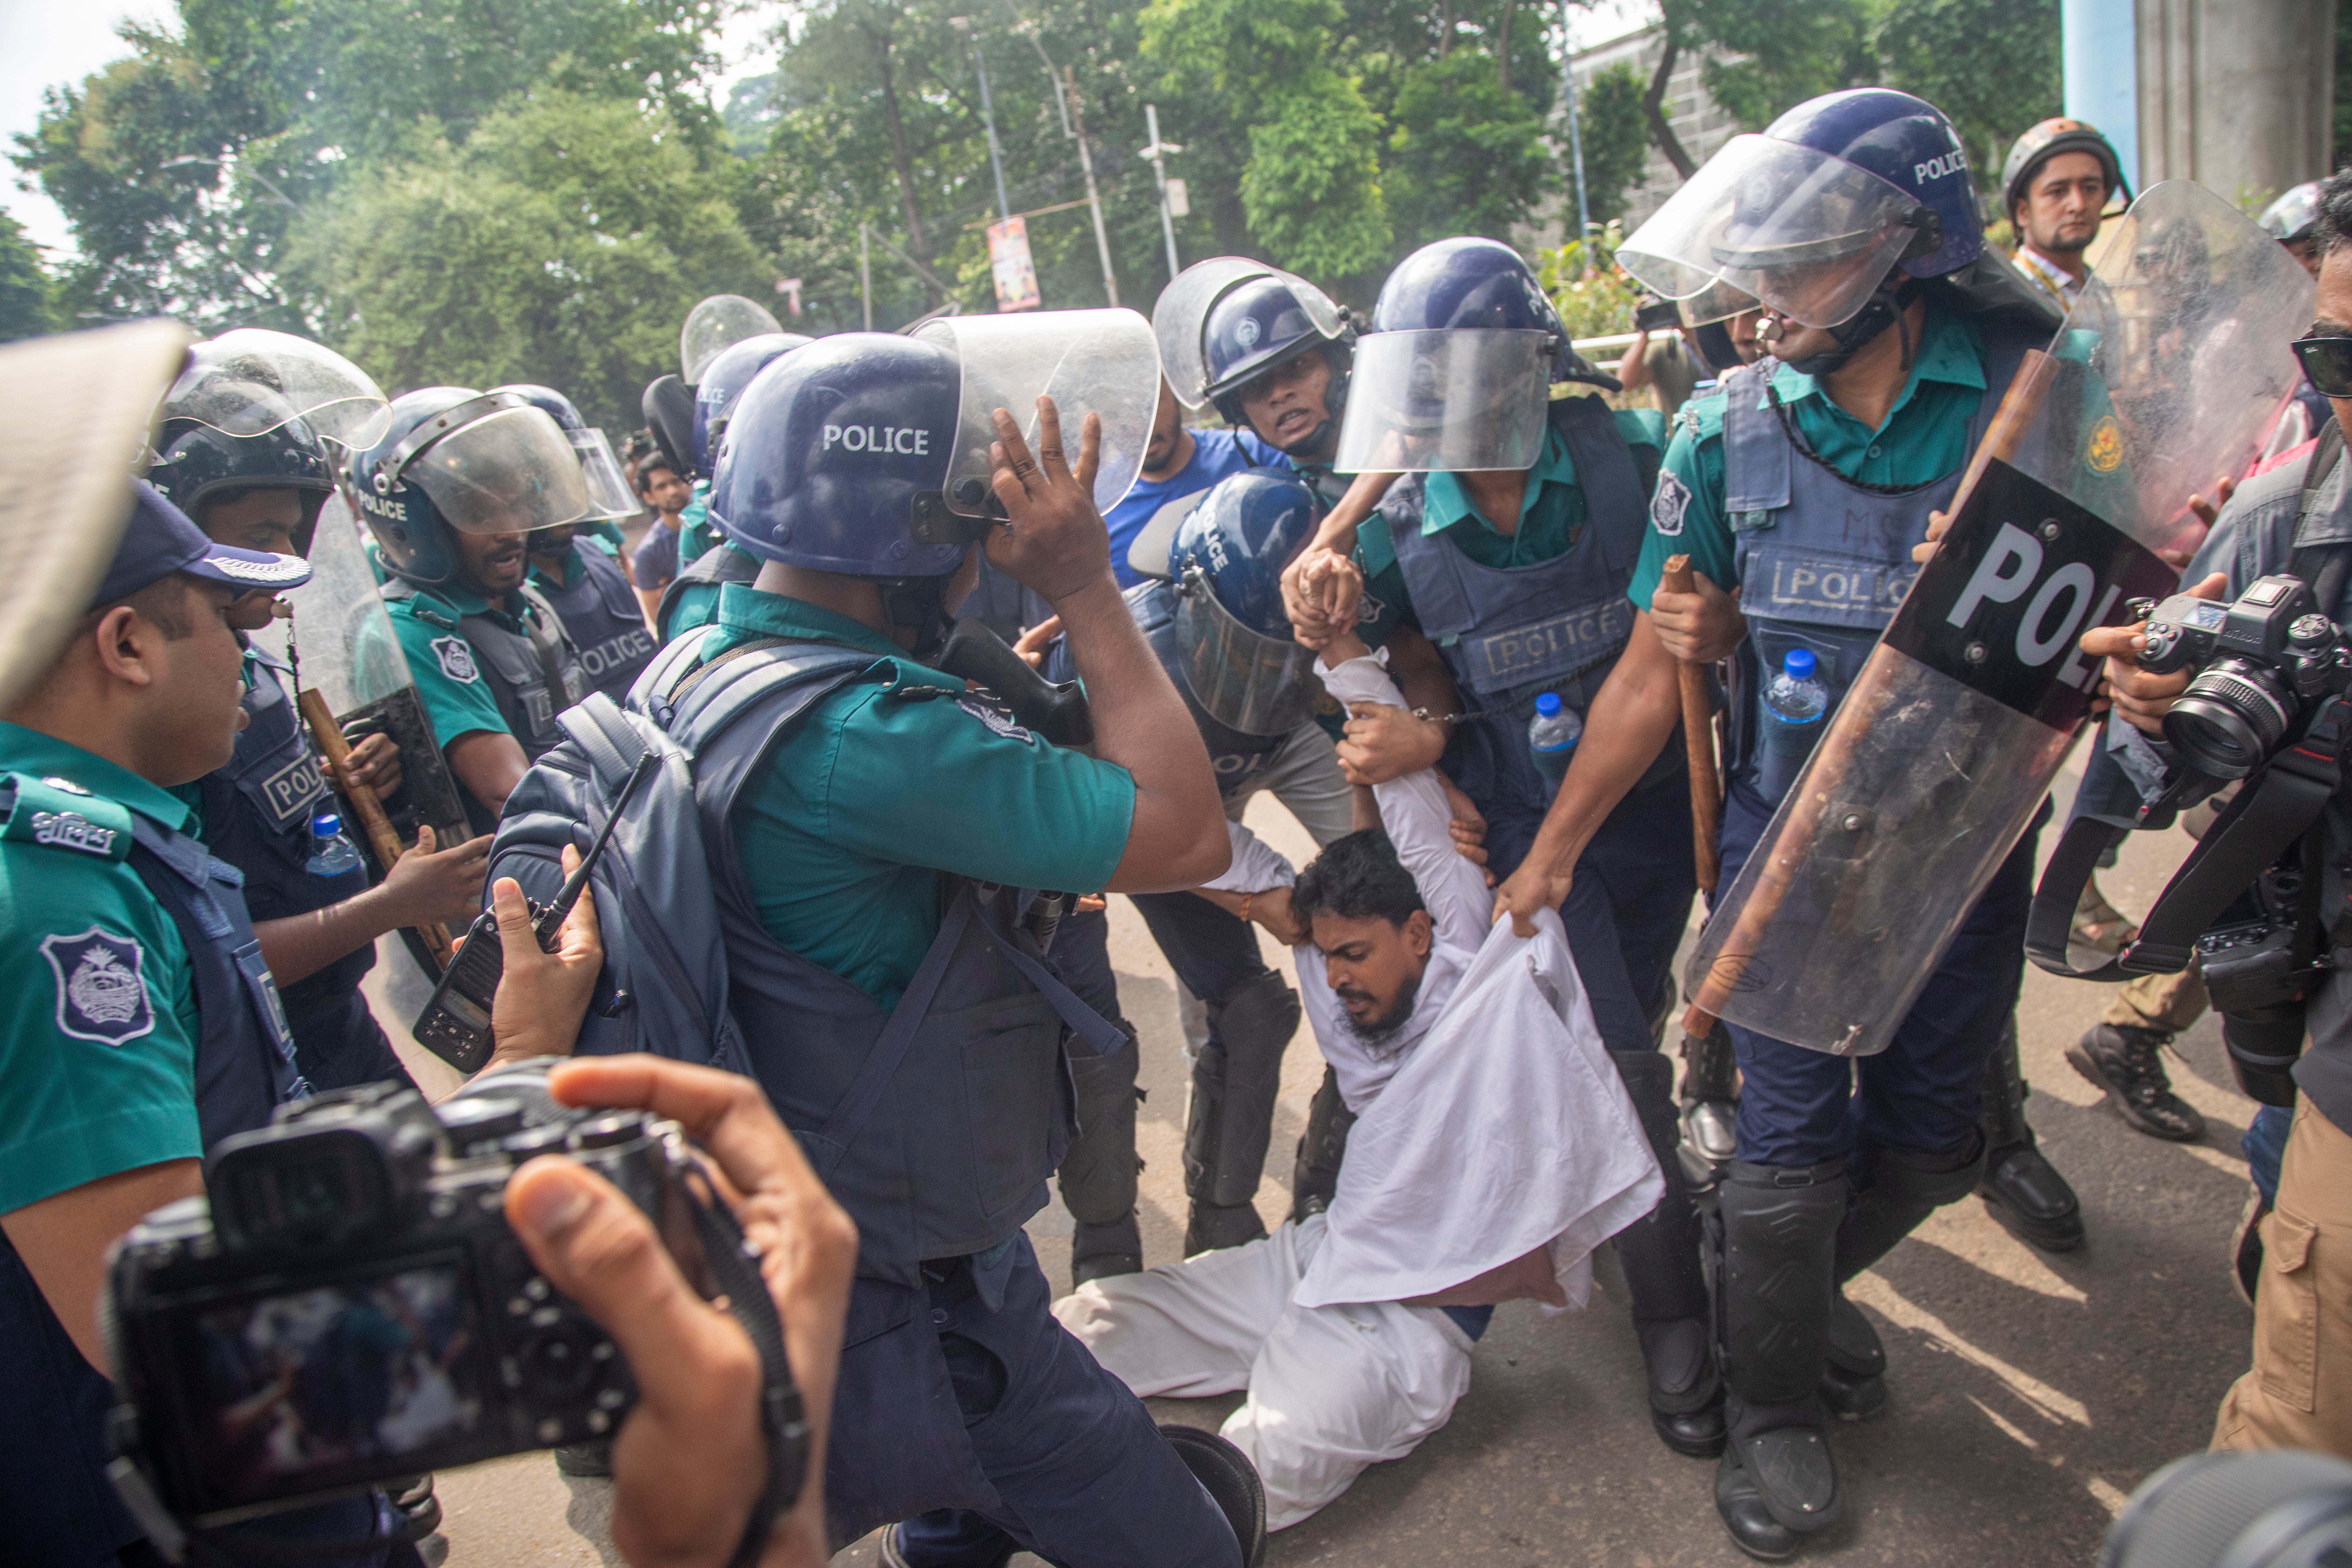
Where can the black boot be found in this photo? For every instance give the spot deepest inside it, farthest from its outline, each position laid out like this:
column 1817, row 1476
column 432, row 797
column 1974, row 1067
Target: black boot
column 1777, row 1294
column 1905, row 1187
column 2128, row 1064
column 1229, row 1123
column 1315, row 1175
column 1710, row 1100
column 2024, row 1191
column 1660, row 1253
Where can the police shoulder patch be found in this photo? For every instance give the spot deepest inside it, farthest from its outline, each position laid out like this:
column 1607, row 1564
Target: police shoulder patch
column 455, row 657
column 994, row 717
column 58, row 813
column 101, row 990
column 1669, row 503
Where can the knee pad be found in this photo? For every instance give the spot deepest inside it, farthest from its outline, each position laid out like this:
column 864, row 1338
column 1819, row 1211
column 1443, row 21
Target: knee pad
column 1231, row 1482
column 1315, row 1176
column 1779, row 1230
column 1099, row 1173
column 1234, row 1086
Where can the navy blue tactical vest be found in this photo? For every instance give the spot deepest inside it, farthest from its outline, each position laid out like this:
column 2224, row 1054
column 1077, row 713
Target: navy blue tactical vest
column 256, row 816
column 1823, row 563
column 935, row 1125
column 1510, row 633
column 716, row 566
column 606, row 623
column 532, row 675
column 52, row 1435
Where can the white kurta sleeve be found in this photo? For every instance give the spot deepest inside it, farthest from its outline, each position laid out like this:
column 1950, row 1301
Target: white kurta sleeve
column 1419, row 821
column 1256, row 866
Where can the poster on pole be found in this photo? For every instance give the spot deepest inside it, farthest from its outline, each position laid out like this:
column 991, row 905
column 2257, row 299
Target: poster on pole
column 1008, row 258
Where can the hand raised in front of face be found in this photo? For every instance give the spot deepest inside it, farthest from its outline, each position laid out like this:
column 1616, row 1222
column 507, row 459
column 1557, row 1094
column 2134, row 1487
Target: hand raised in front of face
column 1053, row 540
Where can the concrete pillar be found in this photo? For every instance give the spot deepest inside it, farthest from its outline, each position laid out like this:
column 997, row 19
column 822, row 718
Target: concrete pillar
column 2102, row 65
column 2238, row 95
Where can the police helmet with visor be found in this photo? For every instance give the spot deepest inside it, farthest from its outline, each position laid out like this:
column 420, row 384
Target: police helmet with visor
column 2294, row 215
column 715, row 325
column 723, row 381
column 1260, row 324
column 608, row 489
column 454, row 460
column 1240, row 659
column 1455, row 373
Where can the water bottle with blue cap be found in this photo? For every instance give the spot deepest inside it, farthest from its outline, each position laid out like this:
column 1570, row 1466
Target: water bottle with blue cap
column 1794, row 703
column 1553, row 733
column 331, row 851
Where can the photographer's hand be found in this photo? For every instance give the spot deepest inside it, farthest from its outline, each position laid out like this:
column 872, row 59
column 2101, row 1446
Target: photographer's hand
column 689, row 1463
column 542, row 996
column 2142, row 696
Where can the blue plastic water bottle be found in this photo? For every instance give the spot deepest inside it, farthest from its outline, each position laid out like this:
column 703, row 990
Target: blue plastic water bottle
column 1797, row 700
column 1553, row 733
column 332, row 853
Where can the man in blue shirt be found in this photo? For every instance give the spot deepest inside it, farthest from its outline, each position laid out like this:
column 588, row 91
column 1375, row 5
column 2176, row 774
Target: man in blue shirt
column 1180, row 461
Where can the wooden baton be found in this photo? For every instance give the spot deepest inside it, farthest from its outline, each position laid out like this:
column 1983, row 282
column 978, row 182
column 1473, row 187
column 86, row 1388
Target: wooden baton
column 1778, row 862
column 382, row 837
column 1698, row 737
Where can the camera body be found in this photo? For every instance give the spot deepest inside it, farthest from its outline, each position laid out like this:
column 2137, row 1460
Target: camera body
column 349, row 1305
column 2262, row 663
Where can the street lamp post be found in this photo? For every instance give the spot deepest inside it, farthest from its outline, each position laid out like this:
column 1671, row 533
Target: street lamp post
column 1575, row 134
column 1155, row 153
column 971, row 34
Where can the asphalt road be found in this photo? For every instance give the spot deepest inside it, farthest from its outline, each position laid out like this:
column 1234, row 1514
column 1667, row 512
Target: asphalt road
column 2030, row 1393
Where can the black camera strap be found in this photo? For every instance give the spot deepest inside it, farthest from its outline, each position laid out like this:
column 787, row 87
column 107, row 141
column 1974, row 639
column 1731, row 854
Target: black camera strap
column 2274, row 809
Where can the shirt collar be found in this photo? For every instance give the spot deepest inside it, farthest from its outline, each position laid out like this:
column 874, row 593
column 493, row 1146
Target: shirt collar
column 743, row 609
column 572, row 568
column 1445, row 502
column 24, row 750
column 2064, row 283
column 1949, row 352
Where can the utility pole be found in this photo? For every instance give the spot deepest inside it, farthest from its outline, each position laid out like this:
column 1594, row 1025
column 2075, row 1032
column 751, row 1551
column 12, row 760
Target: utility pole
column 971, row 31
column 1160, row 173
column 1575, row 133
column 1065, row 93
column 865, row 275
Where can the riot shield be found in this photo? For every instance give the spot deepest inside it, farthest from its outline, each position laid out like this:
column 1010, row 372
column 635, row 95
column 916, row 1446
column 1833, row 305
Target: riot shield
column 1943, row 747
column 340, row 643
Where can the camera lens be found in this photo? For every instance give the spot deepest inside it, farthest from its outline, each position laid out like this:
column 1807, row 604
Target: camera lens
column 2232, row 715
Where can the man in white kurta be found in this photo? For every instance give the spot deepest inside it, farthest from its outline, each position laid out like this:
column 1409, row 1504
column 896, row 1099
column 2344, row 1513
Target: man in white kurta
column 1494, row 1148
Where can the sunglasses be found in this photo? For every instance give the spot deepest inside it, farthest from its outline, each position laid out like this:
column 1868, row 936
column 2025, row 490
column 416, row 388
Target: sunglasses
column 2326, row 364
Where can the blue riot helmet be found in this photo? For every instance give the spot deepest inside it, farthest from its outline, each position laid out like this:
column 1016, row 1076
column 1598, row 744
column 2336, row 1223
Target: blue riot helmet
column 1823, row 218
column 723, row 381
column 1242, row 663
column 1454, row 374
column 2294, row 215
column 609, row 497
column 258, row 410
column 1260, row 324
column 453, row 460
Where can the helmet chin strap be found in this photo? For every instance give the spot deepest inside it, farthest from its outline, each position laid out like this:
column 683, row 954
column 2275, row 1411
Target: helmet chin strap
column 1883, row 310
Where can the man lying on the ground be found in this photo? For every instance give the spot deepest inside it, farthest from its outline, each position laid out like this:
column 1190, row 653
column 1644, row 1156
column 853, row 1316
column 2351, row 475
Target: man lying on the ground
column 1495, row 1149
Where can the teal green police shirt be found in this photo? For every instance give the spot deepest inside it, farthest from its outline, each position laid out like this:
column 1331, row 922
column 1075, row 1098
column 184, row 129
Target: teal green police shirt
column 697, row 606
column 1551, row 515
column 892, row 780
column 696, row 533
column 449, row 680
column 98, row 1009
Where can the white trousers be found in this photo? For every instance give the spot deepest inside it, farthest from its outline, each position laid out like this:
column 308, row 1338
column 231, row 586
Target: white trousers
column 1331, row 1389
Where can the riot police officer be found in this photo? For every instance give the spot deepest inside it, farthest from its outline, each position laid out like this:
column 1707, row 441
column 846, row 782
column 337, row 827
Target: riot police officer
column 870, row 819
column 576, row 566
column 1213, row 613
column 1855, row 211
column 1508, row 543
column 452, row 491
column 691, row 597
column 142, row 1025
column 237, row 454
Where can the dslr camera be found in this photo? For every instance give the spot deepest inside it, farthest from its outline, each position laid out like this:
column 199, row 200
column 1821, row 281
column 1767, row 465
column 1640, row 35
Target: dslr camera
column 349, row 1305
column 2262, row 664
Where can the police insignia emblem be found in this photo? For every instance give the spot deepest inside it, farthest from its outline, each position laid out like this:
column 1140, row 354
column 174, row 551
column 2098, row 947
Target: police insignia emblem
column 101, row 994
column 2105, row 452
column 456, row 658
column 1666, row 507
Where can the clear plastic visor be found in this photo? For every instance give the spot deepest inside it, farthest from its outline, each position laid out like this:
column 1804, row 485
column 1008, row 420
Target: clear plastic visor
column 715, row 325
column 1103, row 362
column 1182, row 310
column 1810, row 235
column 250, row 381
column 509, row 472
column 1447, row 400
column 1247, row 680
column 1718, row 301
column 608, row 488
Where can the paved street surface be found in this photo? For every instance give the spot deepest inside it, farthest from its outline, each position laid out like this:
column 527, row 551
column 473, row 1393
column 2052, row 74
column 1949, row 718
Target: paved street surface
column 2030, row 1393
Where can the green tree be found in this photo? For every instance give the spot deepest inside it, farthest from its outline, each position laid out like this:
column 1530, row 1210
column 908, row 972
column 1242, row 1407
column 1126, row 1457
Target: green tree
column 1991, row 65
column 562, row 242
column 26, row 308
column 1761, row 56
column 1468, row 154
column 1616, row 140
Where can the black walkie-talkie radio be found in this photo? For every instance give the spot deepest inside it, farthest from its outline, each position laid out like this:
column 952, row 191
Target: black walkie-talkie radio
column 455, row 1023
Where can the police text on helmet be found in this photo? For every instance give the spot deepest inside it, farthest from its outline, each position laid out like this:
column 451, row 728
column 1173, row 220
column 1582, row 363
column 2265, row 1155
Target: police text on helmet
column 878, row 438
